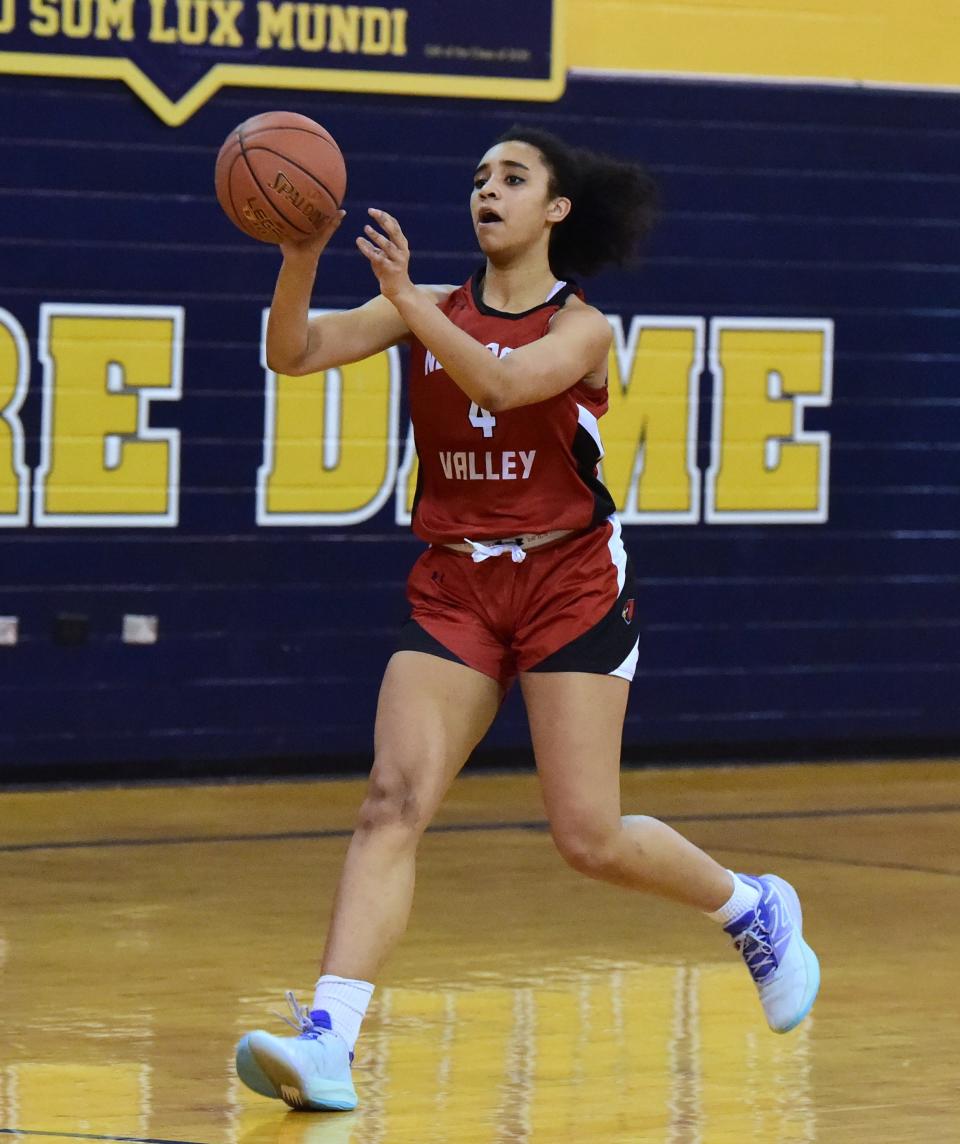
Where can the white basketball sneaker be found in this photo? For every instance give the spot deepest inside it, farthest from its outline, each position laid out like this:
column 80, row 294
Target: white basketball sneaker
column 784, row 968
column 309, row 1071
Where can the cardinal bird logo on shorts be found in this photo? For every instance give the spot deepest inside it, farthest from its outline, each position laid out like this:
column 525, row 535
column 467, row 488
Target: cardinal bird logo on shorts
column 628, row 610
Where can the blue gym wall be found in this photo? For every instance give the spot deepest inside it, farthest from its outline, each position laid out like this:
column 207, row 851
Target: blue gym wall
column 782, row 201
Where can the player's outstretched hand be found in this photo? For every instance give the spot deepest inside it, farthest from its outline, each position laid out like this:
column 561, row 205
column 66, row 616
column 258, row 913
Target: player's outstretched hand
column 388, row 253
column 314, row 244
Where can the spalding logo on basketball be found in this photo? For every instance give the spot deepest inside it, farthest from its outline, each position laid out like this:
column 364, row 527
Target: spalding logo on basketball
column 280, row 176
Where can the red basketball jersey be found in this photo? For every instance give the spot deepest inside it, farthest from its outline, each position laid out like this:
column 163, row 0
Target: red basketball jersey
column 486, row 476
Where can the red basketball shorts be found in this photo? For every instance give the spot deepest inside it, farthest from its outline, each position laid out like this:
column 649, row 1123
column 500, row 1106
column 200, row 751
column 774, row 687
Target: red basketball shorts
column 567, row 607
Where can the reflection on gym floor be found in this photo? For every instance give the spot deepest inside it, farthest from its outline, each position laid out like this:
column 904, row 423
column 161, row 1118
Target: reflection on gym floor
column 615, row 1053
column 143, row 931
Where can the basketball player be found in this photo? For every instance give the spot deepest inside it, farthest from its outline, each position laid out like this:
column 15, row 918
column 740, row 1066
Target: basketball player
column 525, row 577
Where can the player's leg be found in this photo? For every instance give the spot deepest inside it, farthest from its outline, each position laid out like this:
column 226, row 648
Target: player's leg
column 576, row 721
column 431, row 714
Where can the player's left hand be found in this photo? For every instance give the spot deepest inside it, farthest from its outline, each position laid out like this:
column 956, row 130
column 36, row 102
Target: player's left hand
column 388, row 253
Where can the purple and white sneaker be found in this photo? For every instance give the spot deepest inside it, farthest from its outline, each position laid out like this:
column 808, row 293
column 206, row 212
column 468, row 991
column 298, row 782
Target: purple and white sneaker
column 770, row 940
column 310, row 1071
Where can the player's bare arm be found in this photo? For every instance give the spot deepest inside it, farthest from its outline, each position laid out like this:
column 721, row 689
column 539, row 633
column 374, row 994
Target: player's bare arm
column 575, row 348
column 298, row 344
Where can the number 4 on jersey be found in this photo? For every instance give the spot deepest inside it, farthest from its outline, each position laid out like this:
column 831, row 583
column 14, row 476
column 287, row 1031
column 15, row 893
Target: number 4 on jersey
column 482, row 419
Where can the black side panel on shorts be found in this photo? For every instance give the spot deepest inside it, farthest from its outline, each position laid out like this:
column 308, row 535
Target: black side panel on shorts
column 607, row 644
column 415, row 638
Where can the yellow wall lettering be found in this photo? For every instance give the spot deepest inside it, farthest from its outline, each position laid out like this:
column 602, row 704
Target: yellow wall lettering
column 101, row 463
column 226, row 33
column 311, row 27
column 114, row 17
column 275, row 26
column 46, row 18
column 193, row 23
column 765, row 467
column 376, row 32
column 399, row 18
column 330, row 449
column 159, row 32
column 650, row 432
column 14, row 379
column 8, row 15
column 367, row 30
column 77, row 19
column 344, row 28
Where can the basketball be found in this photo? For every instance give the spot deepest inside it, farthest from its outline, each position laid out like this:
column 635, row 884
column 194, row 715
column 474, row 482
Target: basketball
column 280, row 176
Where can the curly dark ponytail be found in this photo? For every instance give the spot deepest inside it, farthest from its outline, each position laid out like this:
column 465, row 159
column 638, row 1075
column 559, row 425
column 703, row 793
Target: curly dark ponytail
column 614, row 203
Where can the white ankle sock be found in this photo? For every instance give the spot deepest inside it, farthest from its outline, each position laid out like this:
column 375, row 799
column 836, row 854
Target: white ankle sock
column 743, row 898
column 346, row 1001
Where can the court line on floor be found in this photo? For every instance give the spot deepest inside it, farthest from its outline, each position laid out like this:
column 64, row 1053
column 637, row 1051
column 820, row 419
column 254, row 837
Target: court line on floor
column 85, row 1136
column 903, row 867
column 471, row 827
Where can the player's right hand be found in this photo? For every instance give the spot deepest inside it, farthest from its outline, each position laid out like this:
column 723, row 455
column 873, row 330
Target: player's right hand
column 313, row 245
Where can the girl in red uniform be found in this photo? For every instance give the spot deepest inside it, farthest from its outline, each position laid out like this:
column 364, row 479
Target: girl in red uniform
column 526, row 576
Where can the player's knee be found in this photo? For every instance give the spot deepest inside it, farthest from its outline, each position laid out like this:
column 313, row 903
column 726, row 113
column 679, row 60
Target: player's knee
column 591, row 849
column 391, row 802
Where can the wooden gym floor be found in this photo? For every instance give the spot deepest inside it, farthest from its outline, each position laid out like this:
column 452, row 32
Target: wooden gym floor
column 143, row 930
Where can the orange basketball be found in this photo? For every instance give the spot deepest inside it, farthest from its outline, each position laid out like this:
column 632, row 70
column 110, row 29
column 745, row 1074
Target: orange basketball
column 279, row 176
